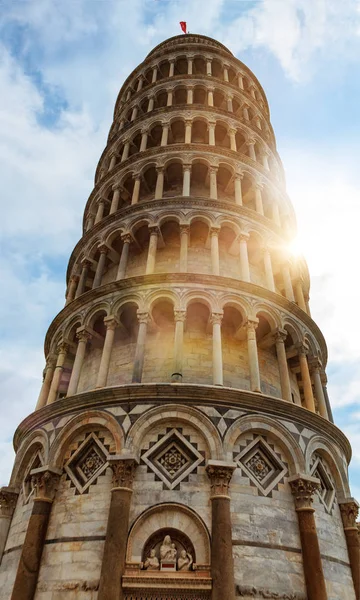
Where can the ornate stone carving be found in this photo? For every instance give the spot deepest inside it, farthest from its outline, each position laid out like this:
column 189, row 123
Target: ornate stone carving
column 8, row 499
column 349, row 512
column 180, row 315
column 303, row 489
column 44, row 481
column 220, row 476
column 87, row 463
column 152, row 562
column 255, row 592
column 185, row 561
column 123, row 471
column 261, row 464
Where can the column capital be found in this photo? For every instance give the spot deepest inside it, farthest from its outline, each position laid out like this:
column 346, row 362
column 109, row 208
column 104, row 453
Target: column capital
column 103, row 248
column 126, row 238
column 251, row 324
column 220, row 473
column 303, row 488
column 349, row 509
column 250, row 142
column 143, row 316
column 86, row 262
column 214, row 231
column 258, row 184
column 232, row 130
column 100, row 201
column 216, row 318
column 44, row 481
column 280, row 335
column 229, row 96
column 8, row 499
column 187, row 167
column 111, row 322
column 154, row 230
column 74, row 278
column 213, row 169
column 50, row 361
column 115, row 187
column 188, row 121
column 184, row 228
column 239, row 175
column 302, row 348
column 161, row 168
column 244, row 237
column 63, row 347
column 123, row 470
column 145, row 129
column 180, row 315
column 83, row 335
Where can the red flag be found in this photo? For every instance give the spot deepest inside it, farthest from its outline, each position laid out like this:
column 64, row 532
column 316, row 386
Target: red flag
column 183, row 26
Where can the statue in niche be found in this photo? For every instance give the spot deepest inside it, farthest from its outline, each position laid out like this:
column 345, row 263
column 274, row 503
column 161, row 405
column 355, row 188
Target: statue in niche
column 173, row 552
column 166, row 550
column 152, row 561
column 185, row 561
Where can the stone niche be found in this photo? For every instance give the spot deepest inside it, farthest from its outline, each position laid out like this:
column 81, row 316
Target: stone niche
column 169, row 550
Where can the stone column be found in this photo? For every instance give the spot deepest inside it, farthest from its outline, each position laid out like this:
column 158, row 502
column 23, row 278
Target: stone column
column 251, row 146
column 126, row 150
column 73, row 283
column 229, row 102
column 210, row 97
column 143, row 318
column 326, row 396
column 268, row 270
column 303, row 488
column 83, row 277
column 115, row 200
column 190, row 95
column 100, row 210
column 244, row 258
column 169, row 97
column 140, row 83
column 258, row 199
column 237, row 187
column 209, row 66
column 215, row 262
column 222, row 563
column 113, row 563
column 159, row 188
column 83, row 337
column 164, row 134
column 288, row 283
column 151, row 258
column 226, row 73
column 150, row 107
column 299, row 295
column 144, row 138
column 240, row 81
column 246, row 112
column 61, row 357
column 8, row 499
column 188, row 124
column 180, row 317
column 211, row 130
column 349, row 509
column 280, row 338
column 45, row 388
column 232, row 134
column 213, row 183
column 215, row 320
column 171, row 67
column 111, row 324
column 121, row 124
column 126, row 239
column 134, row 113
column 136, row 189
column 45, row 482
column 154, row 74
column 90, row 222
column 186, row 180
column 184, row 242
column 253, row 355
column 265, row 159
column 100, row 266
column 112, row 162
column 190, row 65
column 305, row 375
column 319, row 392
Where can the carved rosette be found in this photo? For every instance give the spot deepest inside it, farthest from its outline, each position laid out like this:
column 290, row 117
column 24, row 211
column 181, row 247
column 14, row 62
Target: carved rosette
column 220, row 477
column 8, row 499
column 303, row 490
column 123, row 472
column 349, row 513
column 45, row 484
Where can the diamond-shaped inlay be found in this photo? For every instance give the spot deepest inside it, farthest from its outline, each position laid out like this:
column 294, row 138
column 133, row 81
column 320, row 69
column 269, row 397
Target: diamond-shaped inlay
column 87, row 463
column 262, row 465
column 326, row 491
column 172, row 458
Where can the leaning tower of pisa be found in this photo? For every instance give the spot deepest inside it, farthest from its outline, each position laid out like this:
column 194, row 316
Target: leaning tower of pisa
column 183, row 446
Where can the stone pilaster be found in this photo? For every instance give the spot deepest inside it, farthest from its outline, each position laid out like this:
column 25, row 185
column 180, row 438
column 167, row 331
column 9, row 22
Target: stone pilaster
column 44, row 481
column 222, row 563
column 113, row 565
column 303, row 488
column 8, row 499
column 349, row 509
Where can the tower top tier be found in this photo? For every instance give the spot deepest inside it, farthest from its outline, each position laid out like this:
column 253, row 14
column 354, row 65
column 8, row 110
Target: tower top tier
column 189, row 38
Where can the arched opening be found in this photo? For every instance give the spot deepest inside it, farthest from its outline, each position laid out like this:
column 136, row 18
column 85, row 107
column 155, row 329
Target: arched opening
column 199, row 257
column 197, row 345
column 199, row 95
column 234, row 349
column 180, row 96
column 228, row 253
column 148, row 77
column 220, row 100
column 167, row 257
column 248, row 195
column 241, row 143
column 199, row 132
column 199, row 66
column 135, row 144
column 177, row 133
column 217, row 69
column 164, row 69
column 269, row 375
column 154, row 137
column 256, row 259
column 225, row 184
column 232, row 75
column 221, row 136
column 159, row 350
column 173, row 181
column 148, row 184
column 90, row 369
column 181, row 66
column 293, row 365
column 138, row 251
column 123, row 351
column 200, row 181
column 237, row 108
column 160, row 99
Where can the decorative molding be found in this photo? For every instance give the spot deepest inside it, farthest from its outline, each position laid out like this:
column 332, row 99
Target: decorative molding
column 303, row 489
column 254, row 592
column 123, row 468
column 220, row 474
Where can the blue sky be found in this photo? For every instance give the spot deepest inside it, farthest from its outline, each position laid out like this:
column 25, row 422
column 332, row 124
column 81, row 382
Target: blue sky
column 62, row 64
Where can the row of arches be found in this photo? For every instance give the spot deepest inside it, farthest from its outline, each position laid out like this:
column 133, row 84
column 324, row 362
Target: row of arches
column 189, row 176
column 195, row 130
column 170, row 245
column 160, row 341
column 182, row 64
